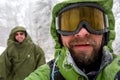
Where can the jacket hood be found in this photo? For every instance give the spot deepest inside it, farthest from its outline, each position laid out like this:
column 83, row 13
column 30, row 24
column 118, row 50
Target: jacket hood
column 106, row 4
column 11, row 38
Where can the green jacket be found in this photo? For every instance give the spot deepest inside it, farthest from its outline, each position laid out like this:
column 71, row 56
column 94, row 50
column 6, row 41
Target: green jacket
column 108, row 69
column 110, row 62
column 20, row 59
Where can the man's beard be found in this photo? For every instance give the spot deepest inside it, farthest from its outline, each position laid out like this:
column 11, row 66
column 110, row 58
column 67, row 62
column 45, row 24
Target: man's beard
column 81, row 56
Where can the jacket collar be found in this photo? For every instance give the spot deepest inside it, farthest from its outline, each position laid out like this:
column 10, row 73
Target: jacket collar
column 106, row 59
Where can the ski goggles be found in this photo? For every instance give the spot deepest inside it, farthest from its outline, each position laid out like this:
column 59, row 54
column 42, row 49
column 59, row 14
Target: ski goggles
column 72, row 18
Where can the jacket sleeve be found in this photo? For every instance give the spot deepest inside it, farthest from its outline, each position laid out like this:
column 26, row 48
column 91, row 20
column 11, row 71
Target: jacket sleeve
column 40, row 55
column 41, row 73
column 5, row 65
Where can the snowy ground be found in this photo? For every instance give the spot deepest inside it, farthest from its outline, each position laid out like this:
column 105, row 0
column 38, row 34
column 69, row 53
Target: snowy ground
column 1, row 49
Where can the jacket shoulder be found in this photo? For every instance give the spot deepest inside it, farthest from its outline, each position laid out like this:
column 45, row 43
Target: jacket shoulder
column 41, row 73
column 112, row 70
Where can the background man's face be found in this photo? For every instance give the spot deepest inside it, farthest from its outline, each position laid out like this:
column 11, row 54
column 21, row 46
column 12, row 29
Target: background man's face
column 20, row 36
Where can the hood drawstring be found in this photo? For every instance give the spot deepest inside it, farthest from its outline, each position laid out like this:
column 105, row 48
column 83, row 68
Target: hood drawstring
column 53, row 69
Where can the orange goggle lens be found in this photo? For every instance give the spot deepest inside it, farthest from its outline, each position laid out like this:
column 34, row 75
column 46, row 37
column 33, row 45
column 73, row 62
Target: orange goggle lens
column 70, row 19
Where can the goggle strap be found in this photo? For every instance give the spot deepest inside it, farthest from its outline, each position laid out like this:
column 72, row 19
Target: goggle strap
column 57, row 27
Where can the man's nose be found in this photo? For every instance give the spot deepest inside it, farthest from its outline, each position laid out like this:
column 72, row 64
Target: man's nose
column 82, row 33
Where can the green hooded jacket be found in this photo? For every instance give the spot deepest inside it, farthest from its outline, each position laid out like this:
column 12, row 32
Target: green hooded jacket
column 110, row 62
column 20, row 59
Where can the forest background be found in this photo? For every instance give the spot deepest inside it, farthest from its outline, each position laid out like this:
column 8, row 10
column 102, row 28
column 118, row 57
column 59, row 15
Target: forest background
column 35, row 16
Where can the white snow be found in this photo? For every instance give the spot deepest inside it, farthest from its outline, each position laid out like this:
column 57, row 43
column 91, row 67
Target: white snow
column 36, row 17
column 1, row 49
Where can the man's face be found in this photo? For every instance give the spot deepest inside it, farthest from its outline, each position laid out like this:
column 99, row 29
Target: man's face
column 20, row 36
column 83, row 46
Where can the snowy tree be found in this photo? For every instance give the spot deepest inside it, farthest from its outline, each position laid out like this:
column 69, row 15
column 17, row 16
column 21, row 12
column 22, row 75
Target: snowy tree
column 35, row 16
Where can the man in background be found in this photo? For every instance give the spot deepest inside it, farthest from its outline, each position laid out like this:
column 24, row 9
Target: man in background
column 21, row 57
